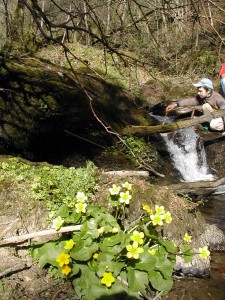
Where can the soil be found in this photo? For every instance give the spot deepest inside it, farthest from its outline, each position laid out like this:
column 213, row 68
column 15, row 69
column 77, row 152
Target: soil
column 20, row 277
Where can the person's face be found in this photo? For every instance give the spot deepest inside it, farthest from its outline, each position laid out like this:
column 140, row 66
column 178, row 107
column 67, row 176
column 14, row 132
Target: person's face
column 202, row 92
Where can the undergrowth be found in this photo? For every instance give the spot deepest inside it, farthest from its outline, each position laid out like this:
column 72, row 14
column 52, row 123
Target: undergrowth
column 55, row 185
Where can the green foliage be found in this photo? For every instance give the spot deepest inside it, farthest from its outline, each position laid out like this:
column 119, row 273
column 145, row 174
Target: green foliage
column 104, row 257
column 53, row 184
column 137, row 148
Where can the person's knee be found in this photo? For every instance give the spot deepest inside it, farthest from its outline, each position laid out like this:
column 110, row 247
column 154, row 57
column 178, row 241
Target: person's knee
column 217, row 124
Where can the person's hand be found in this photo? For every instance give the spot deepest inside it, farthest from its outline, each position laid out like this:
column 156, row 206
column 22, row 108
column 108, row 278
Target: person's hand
column 171, row 107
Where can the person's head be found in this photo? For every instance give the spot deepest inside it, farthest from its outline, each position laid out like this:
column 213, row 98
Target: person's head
column 205, row 87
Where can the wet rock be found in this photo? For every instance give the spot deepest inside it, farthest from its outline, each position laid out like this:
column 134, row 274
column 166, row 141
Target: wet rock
column 198, row 267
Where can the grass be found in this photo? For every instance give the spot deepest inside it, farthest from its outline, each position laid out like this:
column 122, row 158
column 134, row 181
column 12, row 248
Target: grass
column 109, row 67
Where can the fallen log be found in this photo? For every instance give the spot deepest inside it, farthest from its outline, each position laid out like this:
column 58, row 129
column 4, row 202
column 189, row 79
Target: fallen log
column 125, row 173
column 173, row 126
column 198, row 188
column 32, row 235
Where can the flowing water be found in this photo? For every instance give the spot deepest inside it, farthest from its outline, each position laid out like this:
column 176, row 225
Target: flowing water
column 189, row 158
column 188, row 154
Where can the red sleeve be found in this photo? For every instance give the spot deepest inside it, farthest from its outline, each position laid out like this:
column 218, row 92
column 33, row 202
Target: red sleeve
column 222, row 69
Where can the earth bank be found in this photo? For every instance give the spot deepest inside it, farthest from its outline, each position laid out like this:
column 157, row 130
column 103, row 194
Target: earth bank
column 20, row 215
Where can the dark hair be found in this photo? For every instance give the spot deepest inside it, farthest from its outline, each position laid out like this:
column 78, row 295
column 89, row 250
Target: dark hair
column 207, row 88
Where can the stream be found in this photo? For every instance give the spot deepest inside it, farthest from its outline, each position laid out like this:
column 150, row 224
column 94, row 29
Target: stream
column 188, row 157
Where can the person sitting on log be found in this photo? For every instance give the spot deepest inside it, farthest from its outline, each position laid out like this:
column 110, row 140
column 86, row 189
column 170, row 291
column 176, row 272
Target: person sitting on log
column 209, row 99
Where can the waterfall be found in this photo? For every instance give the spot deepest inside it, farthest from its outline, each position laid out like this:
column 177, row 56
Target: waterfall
column 188, row 154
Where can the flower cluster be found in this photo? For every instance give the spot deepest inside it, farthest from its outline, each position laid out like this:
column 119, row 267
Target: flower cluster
column 203, row 253
column 133, row 250
column 80, row 203
column 111, row 252
column 121, row 193
column 64, row 259
column 159, row 216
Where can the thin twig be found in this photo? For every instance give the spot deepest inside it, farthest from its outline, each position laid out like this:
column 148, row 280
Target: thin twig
column 86, row 140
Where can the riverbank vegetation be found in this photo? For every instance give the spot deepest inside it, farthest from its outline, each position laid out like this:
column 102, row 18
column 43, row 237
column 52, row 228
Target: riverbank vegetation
column 124, row 242
column 119, row 251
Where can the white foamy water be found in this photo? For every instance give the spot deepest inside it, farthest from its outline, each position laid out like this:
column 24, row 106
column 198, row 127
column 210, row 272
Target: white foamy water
column 188, row 154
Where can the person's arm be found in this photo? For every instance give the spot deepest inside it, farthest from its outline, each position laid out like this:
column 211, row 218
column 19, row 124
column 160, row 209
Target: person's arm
column 172, row 106
column 182, row 103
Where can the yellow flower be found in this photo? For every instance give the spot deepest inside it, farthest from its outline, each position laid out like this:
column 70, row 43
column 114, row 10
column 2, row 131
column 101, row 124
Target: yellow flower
column 57, row 223
column 187, row 238
column 69, row 244
column 167, row 217
column 95, row 255
column 137, row 237
column 204, row 252
column 101, row 230
column 80, row 207
column 127, row 186
column 147, row 208
column 134, row 251
column 107, row 279
column 115, row 230
column 157, row 219
column 63, row 259
column 81, row 197
column 66, row 270
column 114, row 190
column 125, row 197
column 159, row 210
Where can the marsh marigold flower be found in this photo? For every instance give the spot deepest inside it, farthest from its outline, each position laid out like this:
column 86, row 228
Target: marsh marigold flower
column 127, row 185
column 137, row 237
column 95, row 255
column 147, row 208
column 80, row 207
column 187, row 238
column 159, row 210
column 63, row 259
column 66, row 270
column 114, row 190
column 133, row 250
column 115, row 229
column 157, row 219
column 81, row 197
column 204, row 252
column 69, row 244
column 167, row 217
column 101, row 230
column 57, row 223
column 107, row 279
column 125, row 197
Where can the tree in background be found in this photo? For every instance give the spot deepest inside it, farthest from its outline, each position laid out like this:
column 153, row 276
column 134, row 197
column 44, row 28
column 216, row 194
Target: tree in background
column 175, row 36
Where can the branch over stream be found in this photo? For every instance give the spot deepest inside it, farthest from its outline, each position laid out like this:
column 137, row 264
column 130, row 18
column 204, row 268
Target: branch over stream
column 197, row 188
column 171, row 127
